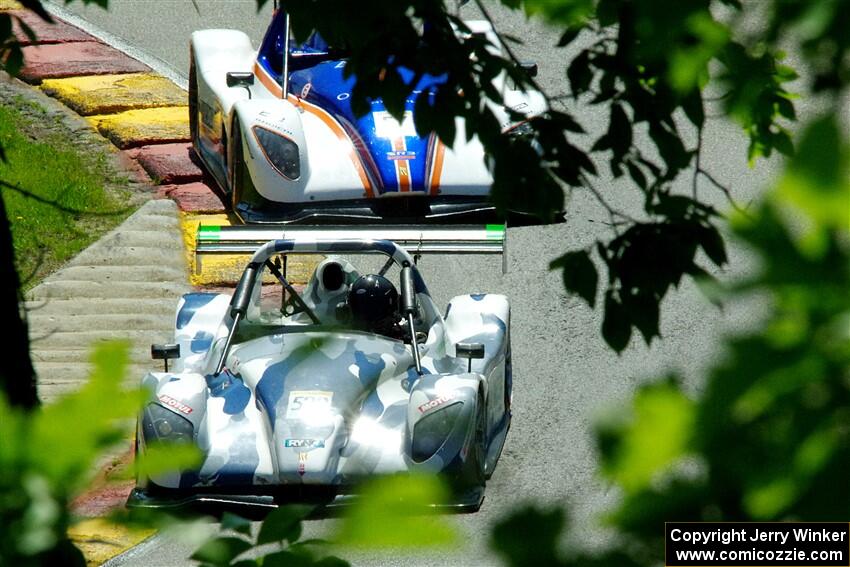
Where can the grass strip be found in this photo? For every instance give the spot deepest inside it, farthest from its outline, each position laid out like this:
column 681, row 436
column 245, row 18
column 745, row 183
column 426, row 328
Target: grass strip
column 43, row 157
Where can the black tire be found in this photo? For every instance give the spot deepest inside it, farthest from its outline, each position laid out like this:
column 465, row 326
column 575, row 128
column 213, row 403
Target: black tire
column 509, row 377
column 193, row 101
column 141, row 481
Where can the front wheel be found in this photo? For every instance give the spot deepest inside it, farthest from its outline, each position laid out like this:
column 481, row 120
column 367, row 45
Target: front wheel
column 509, row 378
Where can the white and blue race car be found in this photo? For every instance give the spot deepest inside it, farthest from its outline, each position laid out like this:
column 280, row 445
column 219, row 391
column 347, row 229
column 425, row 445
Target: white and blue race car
column 302, row 395
column 276, row 130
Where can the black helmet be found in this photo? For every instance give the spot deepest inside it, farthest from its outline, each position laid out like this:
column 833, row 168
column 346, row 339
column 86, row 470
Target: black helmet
column 374, row 303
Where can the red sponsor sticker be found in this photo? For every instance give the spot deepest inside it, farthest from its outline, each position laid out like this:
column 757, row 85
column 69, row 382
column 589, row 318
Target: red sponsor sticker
column 172, row 403
column 436, row 402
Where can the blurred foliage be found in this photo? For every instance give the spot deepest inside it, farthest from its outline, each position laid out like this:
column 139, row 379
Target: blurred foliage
column 648, row 63
column 277, row 543
column 395, row 511
column 767, row 438
column 389, row 512
column 48, row 455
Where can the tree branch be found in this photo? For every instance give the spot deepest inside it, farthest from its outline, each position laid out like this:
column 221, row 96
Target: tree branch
column 723, row 189
column 615, row 216
column 511, row 55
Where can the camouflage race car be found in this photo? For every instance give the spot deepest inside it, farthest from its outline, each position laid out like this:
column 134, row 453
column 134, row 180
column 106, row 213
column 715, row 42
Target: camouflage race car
column 299, row 396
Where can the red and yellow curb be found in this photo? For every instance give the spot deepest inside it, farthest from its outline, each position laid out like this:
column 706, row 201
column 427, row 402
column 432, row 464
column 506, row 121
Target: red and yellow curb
column 100, row 540
column 108, row 94
column 142, row 126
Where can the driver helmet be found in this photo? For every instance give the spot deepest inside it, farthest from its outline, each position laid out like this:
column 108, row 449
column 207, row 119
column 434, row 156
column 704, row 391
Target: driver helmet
column 373, row 300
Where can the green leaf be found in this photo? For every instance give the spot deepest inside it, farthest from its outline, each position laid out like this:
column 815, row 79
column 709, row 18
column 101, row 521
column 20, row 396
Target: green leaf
column 5, row 26
column 579, row 73
column 693, row 107
column 393, row 512
column 14, row 60
column 616, row 327
column 643, row 313
column 786, row 74
column 656, row 434
column 817, row 180
column 236, row 523
column 443, row 114
column 529, row 536
column 222, row 550
column 636, row 174
column 712, row 244
column 164, row 457
column 579, row 274
column 567, row 14
column 100, row 412
column 619, row 131
column 785, row 108
column 283, row 524
column 606, row 12
column 603, row 143
column 782, row 142
column 568, row 37
column 286, row 558
column 38, row 8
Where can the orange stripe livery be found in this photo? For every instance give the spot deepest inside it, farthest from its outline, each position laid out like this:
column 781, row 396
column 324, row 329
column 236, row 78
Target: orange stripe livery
column 326, row 118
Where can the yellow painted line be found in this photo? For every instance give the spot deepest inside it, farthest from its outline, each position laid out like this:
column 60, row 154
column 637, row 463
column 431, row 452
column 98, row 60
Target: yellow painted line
column 101, row 540
column 107, row 94
column 146, row 125
column 225, row 269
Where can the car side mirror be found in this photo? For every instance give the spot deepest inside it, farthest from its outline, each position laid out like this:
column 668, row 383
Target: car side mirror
column 239, row 79
column 469, row 351
column 165, row 352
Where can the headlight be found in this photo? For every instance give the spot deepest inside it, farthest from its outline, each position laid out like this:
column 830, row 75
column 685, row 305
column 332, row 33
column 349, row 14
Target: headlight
column 281, row 152
column 431, row 431
column 160, row 424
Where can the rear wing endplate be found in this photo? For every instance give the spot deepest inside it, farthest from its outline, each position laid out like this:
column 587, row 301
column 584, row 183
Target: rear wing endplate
column 454, row 239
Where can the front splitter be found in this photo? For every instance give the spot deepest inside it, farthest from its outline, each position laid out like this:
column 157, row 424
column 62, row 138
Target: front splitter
column 258, row 505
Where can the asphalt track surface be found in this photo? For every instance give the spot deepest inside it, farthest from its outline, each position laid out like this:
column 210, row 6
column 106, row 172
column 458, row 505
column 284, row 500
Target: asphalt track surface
column 564, row 375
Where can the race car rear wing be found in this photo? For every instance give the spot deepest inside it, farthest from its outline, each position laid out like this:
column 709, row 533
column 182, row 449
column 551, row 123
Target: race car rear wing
column 455, row 239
